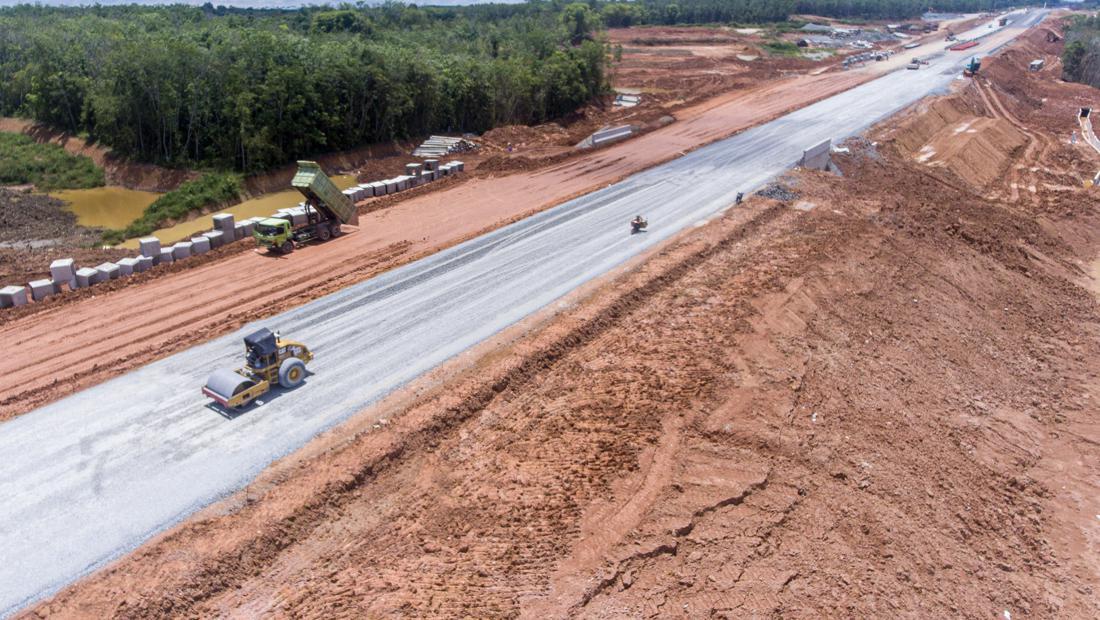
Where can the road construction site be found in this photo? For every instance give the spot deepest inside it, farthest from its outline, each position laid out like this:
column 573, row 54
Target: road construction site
column 729, row 346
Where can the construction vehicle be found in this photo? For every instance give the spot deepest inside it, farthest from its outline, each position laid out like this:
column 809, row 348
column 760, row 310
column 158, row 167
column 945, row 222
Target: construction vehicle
column 269, row 360
column 638, row 224
column 972, row 67
column 319, row 218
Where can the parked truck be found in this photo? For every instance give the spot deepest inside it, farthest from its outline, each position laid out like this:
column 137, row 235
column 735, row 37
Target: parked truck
column 319, row 217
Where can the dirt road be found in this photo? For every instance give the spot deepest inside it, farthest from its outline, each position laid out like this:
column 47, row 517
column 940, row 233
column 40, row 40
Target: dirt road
column 875, row 400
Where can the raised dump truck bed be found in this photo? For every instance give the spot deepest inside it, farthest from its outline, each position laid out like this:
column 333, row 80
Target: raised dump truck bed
column 322, row 194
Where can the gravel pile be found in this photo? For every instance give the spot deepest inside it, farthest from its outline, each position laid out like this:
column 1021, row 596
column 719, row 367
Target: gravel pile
column 778, row 192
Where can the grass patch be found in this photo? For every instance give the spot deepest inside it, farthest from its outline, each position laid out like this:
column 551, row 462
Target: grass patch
column 47, row 166
column 781, row 48
column 212, row 189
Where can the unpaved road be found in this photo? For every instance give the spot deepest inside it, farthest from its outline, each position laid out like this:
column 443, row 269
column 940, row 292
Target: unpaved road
column 90, row 477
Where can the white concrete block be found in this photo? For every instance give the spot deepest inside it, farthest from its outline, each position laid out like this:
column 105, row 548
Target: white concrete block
column 216, row 237
column 64, row 270
column 127, row 266
column 13, row 296
column 150, row 246
column 226, row 223
column 200, row 245
column 41, row 289
column 413, row 170
column 143, row 263
column 87, row 276
column 166, row 256
column 431, row 164
column 107, row 271
column 182, row 250
column 391, row 186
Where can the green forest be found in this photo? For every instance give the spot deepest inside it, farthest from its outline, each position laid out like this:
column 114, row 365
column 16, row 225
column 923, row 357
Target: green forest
column 251, row 89
column 1081, row 56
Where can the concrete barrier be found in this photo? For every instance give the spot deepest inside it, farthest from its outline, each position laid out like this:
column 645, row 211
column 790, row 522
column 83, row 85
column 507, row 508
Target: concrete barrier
column 64, row 270
column 144, row 263
column 413, row 170
column 201, row 245
column 13, row 296
column 165, row 256
column 431, row 164
column 216, row 237
column 226, row 224
column 244, row 229
column 107, row 271
column 182, row 250
column 127, row 266
column 817, row 156
column 86, row 276
column 402, row 183
column 391, row 186
column 41, row 289
column 150, row 246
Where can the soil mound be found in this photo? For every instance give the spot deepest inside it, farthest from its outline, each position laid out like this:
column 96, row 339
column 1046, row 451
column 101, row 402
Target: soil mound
column 950, row 135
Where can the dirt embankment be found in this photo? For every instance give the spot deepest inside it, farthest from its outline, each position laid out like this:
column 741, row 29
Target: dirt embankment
column 132, row 175
column 35, row 230
column 880, row 403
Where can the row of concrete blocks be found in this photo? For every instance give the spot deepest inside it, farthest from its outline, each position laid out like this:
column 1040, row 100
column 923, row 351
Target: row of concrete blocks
column 415, row 176
column 63, row 272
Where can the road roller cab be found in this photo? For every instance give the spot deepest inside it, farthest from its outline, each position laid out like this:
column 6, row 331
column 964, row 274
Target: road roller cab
column 269, row 361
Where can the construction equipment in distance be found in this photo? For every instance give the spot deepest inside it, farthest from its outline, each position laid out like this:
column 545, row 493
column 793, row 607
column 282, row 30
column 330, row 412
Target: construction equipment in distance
column 326, row 208
column 972, row 67
column 269, row 361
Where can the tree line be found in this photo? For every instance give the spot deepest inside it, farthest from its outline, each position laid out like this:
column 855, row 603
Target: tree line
column 1081, row 54
column 253, row 89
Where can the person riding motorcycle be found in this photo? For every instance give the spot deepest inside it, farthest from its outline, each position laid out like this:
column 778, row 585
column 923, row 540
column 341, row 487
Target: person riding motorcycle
column 638, row 223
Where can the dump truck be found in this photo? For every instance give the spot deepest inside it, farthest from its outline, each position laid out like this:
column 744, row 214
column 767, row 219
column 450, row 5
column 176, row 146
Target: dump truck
column 269, row 360
column 322, row 213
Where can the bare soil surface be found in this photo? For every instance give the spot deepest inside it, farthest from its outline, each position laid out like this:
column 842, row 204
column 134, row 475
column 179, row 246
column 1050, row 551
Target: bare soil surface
column 35, row 230
column 192, row 304
column 876, row 399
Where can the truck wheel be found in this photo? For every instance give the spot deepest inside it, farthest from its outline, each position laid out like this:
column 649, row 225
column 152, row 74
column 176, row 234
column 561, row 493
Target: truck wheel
column 287, row 247
column 291, row 373
column 323, row 232
column 336, row 230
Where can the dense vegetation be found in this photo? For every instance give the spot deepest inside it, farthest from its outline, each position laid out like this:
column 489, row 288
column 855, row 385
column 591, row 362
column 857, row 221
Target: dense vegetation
column 210, row 190
column 47, row 166
column 1081, row 56
column 249, row 89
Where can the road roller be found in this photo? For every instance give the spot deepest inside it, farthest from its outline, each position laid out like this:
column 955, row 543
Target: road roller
column 270, row 360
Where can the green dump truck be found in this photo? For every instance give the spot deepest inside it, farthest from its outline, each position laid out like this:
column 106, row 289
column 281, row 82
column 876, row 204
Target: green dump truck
column 319, row 218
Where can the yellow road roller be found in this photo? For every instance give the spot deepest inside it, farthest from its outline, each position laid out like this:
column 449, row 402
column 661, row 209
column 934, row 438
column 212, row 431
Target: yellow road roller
column 270, row 360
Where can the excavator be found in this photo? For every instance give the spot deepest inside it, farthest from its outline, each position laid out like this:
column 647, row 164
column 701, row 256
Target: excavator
column 269, row 360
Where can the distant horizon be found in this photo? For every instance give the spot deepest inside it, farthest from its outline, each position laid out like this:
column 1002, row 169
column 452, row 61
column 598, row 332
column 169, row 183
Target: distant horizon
column 238, row 4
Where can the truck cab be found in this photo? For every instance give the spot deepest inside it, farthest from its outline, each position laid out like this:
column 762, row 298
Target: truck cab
column 274, row 234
